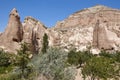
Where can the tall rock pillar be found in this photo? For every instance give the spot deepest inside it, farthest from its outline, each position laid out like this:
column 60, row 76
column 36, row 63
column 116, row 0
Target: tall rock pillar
column 14, row 28
column 100, row 36
column 10, row 38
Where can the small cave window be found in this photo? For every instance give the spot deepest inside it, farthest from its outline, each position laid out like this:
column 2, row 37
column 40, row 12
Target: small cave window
column 102, row 48
column 105, row 21
column 37, row 38
column 112, row 48
column 117, row 24
column 15, row 40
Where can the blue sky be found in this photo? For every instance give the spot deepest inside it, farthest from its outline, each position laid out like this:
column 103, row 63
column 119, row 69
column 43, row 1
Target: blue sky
column 48, row 11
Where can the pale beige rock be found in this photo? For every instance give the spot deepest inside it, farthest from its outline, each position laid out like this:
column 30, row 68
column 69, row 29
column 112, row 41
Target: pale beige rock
column 100, row 36
column 0, row 33
column 33, row 33
column 78, row 31
column 13, row 34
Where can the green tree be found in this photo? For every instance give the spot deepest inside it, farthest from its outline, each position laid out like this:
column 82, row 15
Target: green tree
column 78, row 58
column 23, row 58
column 107, row 54
column 99, row 68
column 84, row 56
column 4, row 58
column 53, row 65
column 73, row 57
column 5, row 62
column 45, row 43
column 117, row 56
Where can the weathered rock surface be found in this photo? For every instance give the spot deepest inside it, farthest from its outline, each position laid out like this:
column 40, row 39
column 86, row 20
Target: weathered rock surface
column 98, row 27
column 33, row 33
column 10, row 38
column 100, row 37
column 0, row 33
column 80, row 30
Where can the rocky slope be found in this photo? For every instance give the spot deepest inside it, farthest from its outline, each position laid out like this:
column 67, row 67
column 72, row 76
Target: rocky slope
column 31, row 31
column 98, row 27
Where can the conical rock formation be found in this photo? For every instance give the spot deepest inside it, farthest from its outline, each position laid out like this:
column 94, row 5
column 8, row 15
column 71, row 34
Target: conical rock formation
column 80, row 30
column 13, row 34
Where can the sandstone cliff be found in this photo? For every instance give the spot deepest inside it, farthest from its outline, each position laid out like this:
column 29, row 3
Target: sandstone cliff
column 10, row 38
column 98, row 27
column 31, row 31
column 79, row 29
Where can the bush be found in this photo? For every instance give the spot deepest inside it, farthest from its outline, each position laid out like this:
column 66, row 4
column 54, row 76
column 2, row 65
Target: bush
column 5, row 59
column 6, row 62
column 53, row 65
column 45, row 43
column 99, row 68
column 73, row 57
column 78, row 58
column 23, row 59
column 117, row 56
column 107, row 54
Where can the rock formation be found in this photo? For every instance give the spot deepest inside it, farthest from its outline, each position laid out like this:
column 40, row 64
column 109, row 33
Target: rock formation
column 88, row 27
column 0, row 33
column 100, row 37
column 79, row 30
column 33, row 33
column 13, row 34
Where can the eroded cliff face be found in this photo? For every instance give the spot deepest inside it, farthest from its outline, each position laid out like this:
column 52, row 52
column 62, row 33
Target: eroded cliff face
column 10, row 38
column 98, row 27
column 31, row 32
column 82, row 29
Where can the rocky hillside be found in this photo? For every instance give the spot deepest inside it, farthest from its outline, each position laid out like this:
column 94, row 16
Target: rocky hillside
column 31, row 31
column 98, row 27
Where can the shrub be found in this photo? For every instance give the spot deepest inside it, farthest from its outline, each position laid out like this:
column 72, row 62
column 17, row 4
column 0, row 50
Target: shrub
column 99, row 68
column 45, row 43
column 23, row 59
column 73, row 57
column 53, row 65
column 78, row 58
column 4, row 58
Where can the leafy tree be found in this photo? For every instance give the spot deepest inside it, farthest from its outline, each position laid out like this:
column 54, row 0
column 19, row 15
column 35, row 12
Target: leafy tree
column 99, row 68
column 78, row 58
column 73, row 57
column 23, row 58
column 4, row 58
column 84, row 57
column 107, row 54
column 5, row 62
column 117, row 56
column 45, row 43
column 53, row 65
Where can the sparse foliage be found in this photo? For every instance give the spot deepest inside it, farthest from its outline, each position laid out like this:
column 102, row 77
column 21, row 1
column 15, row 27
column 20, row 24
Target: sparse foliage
column 99, row 68
column 78, row 58
column 23, row 58
column 45, row 43
column 53, row 65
